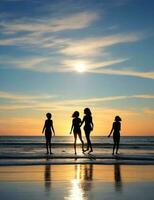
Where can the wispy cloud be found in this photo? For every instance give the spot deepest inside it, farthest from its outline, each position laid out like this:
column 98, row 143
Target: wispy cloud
column 53, row 64
column 90, row 46
column 40, row 32
column 69, row 65
column 148, row 75
column 52, row 103
column 32, row 63
column 17, row 97
column 70, row 22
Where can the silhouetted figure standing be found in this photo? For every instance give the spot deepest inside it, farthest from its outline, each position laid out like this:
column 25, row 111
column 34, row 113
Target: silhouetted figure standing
column 48, row 127
column 116, row 127
column 87, row 119
column 76, row 123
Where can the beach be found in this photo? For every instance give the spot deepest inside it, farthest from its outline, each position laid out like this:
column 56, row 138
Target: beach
column 31, row 151
column 26, row 172
column 86, row 181
column 76, row 100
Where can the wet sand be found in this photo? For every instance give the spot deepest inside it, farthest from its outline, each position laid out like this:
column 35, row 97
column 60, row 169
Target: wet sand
column 77, row 182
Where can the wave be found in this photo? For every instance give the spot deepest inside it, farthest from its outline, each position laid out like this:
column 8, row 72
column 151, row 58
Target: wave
column 76, row 161
column 66, row 145
column 84, row 156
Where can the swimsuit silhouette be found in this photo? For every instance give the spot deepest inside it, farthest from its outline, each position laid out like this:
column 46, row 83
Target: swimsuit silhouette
column 116, row 127
column 76, row 123
column 88, row 127
column 48, row 128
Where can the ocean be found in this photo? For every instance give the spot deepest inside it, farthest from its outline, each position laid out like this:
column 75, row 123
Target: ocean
column 31, row 149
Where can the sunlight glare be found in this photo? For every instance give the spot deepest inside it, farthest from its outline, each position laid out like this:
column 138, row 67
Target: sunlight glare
column 80, row 67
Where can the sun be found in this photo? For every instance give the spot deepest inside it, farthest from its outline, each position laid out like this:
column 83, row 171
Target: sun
column 80, row 67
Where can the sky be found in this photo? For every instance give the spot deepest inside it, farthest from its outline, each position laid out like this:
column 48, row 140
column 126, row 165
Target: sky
column 59, row 56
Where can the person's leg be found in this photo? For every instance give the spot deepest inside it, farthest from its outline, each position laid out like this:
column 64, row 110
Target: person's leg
column 50, row 145
column 117, row 148
column 80, row 137
column 87, row 138
column 90, row 145
column 47, row 145
column 88, row 141
column 114, row 145
column 75, row 138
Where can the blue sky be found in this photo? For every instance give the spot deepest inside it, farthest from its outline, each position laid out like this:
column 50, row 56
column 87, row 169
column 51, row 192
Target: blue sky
column 42, row 42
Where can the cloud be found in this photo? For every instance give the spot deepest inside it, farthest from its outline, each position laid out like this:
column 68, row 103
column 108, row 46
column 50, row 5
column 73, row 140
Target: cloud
column 69, row 65
column 54, row 64
column 39, row 32
column 96, row 100
column 12, row 96
column 144, row 96
column 70, row 22
column 36, row 63
column 148, row 75
column 52, row 103
column 89, row 46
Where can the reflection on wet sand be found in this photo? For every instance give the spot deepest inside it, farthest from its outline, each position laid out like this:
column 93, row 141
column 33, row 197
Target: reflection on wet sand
column 47, row 178
column 117, row 178
column 81, row 179
column 82, row 182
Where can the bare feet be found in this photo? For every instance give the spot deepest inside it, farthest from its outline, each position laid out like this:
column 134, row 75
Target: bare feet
column 86, row 150
column 91, row 151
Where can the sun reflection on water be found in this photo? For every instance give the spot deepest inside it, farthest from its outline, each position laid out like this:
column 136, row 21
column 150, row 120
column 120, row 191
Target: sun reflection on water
column 81, row 183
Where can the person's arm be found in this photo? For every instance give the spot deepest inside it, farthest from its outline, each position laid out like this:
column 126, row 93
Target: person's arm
column 52, row 127
column 82, row 121
column 92, row 124
column 71, row 127
column 111, row 131
column 44, row 127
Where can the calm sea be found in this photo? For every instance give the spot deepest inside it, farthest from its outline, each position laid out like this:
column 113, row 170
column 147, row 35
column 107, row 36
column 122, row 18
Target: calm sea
column 66, row 140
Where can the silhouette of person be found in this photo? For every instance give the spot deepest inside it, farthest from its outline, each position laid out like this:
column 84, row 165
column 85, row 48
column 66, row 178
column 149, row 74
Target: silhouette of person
column 116, row 127
column 87, row 119
column 76, row 122
column 48, row 128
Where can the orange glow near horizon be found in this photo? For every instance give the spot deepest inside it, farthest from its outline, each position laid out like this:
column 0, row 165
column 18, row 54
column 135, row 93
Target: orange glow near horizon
column 132, row 124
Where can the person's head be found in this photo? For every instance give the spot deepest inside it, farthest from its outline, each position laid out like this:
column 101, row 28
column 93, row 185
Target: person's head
column 117, row 119
column 48, row 115
column 75, row 114
column 87, row 111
